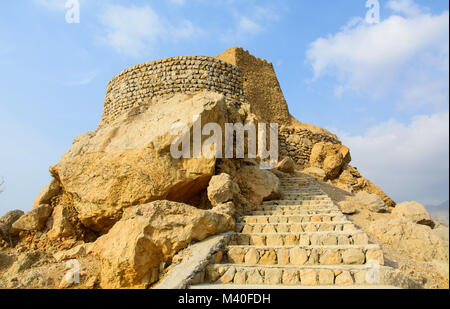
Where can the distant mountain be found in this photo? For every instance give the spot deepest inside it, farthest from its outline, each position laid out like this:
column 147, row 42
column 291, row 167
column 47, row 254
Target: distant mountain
column 440, row 212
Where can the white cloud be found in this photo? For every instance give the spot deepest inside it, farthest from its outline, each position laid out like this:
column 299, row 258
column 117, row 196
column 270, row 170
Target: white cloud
column 130, row 29
column 134, row 30
column 372, row 59
column 407, row 7
column 410, row 162
column 251, row 24
column 248, row 26
column 53, row 5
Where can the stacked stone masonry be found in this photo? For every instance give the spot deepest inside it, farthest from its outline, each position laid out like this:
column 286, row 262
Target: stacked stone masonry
column 298, row 143
column 143, row 83
column 261, row 86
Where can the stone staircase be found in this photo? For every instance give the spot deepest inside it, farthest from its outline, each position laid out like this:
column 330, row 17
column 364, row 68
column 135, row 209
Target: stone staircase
column 301, row 240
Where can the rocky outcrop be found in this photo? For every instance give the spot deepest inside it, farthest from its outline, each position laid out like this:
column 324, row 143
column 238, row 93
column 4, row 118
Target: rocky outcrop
column 413, row 211
column 148, row 236
column 287, row 165
column 371, row 201
column 129, row 161
column 222, row 189
column 63, row 222
column 260, row 184
column 33, row 220
column 415, row 240
column 332, row 158
column 351, row 177
column 347, row 207
column 7, row 221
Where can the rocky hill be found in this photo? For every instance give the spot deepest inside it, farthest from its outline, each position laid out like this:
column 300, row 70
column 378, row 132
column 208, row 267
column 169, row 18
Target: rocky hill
column 137, row 203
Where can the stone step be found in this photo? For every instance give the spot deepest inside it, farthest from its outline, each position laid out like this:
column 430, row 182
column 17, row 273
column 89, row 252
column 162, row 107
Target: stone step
column 299, row 179
column 308, row 182
column 297, row 211
column 301, row 255
column 293, row 218
column 340, row 275
column 301, row 193
column 300, row 185
column 218, row 286
column 305, row 208
column 304, row 197
column 295, row 227
column 300, row 239
column 298, row 202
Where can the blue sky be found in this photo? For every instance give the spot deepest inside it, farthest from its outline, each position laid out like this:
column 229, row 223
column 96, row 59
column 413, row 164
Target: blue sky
column 383, row 88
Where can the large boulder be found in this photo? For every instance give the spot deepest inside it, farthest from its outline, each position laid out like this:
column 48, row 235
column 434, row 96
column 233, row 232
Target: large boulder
column 330, row 157
column 8, row 220
column 417, row 241
column 346, row 177
column 372, row 201
column 287, row 165
column 259, row 184
column 148, row 236
column 413, row 211
column 347, row 207
column 33, row 220
column 222, row 189
column 129, row 161
column 63, row 218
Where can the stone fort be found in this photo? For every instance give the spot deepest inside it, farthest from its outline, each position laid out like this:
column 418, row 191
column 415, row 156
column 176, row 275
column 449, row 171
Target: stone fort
column 237, row 74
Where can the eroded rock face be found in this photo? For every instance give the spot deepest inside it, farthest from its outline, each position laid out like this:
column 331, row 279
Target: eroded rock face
column 287, row 165
column 8, row 220
column 347, row 207
column 131, row 253
column 129, row 161
column 351, row 177
column 63, row 217
column 413, row 211
column 262, row 184
column 222, row 189
column 372, row 201
column 33, row 220
column 330, row 157
column 417, row 241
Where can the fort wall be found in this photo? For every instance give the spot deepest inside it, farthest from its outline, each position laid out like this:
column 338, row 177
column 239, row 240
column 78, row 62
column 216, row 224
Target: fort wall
column 140, row 84
column 261, row 86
